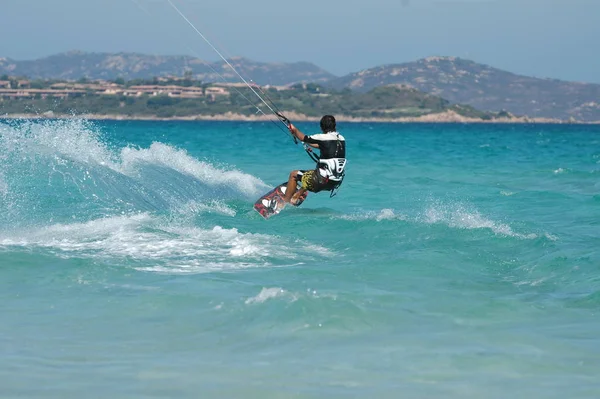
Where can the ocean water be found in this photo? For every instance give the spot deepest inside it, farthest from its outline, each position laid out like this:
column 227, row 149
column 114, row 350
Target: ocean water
column 456, row 261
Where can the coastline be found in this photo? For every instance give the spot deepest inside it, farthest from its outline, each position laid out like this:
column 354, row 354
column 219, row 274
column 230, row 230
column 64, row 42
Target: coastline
column 444, row 117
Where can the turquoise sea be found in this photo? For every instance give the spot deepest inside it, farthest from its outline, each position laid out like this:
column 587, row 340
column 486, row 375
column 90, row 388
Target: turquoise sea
column 456, row 261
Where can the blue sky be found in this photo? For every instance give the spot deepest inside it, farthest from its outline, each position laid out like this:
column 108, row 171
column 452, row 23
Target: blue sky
column 544, row 38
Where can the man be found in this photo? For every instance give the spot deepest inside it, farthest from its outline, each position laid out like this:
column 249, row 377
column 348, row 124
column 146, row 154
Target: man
column 329, row 172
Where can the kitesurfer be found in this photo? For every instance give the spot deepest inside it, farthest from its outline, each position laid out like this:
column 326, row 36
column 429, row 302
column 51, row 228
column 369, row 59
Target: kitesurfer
column 329, row 173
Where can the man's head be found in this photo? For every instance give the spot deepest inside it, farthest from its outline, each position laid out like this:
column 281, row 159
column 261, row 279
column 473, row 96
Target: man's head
column 328, row 124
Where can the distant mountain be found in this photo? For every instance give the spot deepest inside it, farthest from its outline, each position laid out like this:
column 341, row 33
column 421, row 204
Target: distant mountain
column 483, row 87
column 75, row 65
column 457, row 80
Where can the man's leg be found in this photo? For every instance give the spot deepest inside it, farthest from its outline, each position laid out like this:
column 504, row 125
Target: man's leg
column 291, row 186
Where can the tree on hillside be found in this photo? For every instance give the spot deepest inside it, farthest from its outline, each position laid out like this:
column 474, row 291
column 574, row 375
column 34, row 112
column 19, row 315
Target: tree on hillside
column 188, row 77
column 313, row 88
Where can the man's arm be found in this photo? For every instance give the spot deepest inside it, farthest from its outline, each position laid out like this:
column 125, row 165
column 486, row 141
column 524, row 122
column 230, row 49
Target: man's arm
column 301, row 136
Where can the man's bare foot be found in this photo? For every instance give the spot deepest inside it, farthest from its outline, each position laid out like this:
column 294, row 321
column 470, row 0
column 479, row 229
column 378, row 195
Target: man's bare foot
column 298, row 197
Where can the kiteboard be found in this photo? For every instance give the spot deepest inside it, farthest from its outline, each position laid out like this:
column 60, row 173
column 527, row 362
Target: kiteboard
column 272, row 202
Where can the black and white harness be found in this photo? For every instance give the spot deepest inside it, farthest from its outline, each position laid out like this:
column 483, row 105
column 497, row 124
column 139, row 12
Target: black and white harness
column 332, row 162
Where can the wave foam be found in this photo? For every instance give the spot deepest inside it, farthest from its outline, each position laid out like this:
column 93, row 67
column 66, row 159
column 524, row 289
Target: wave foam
column 276, row 292
column 460, row 217
column 75, row 139
column 179, row 160
column 71, row 159
column 266, row 294
column 384, row 214
column 455, row 216
column 3, row 186
column 144, row 242
column 214, row 206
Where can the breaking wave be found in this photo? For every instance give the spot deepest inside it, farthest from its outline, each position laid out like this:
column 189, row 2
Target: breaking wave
column 65, row 189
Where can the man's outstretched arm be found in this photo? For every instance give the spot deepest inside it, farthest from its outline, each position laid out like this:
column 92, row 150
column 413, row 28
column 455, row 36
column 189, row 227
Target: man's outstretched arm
column 301, row 136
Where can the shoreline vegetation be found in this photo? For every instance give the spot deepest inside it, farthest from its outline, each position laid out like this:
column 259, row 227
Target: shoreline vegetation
column 186, row 99
column 445, row 117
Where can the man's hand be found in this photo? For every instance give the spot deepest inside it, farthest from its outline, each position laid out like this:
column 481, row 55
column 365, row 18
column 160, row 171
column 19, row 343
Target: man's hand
column 296, row 132
column 293, row 129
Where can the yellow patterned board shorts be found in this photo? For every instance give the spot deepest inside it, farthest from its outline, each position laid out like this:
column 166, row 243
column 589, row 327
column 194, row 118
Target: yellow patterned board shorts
column 308, row 180
column 312, row 181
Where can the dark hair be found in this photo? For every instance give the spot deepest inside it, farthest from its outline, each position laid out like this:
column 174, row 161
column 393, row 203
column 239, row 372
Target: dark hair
column 328, row 124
